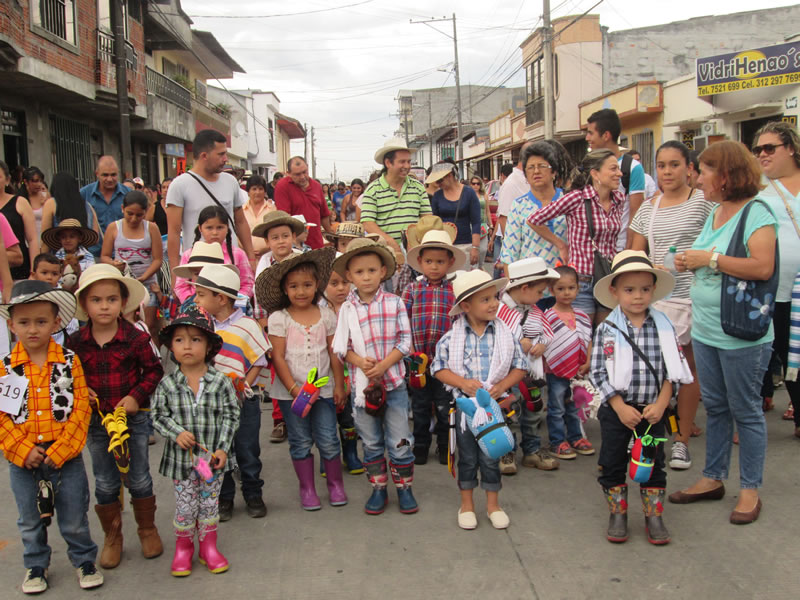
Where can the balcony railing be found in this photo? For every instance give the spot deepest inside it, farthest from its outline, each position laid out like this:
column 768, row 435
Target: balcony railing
column 164, row 87
column 105, row 50
column 534, row 111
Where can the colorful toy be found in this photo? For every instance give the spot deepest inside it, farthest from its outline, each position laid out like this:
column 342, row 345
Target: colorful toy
column 417, row 364
column 486, row 422
column 586, row 398
column 531, row 394
column 203, row 464
column 375, row 399
column 643, row 456
column 116, row 425
column 309, row 393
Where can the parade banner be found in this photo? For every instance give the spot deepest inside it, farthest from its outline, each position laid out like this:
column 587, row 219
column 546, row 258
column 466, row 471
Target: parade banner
column 749, row 69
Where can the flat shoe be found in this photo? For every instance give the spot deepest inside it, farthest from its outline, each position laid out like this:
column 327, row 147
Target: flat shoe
column 499, row 519
column 681, row 497
column 467, row 520
column 743, row 518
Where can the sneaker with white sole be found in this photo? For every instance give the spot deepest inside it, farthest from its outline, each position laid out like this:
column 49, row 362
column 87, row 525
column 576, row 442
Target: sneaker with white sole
column 679, row 458
column 88, row 576
column 507, row 464
column 35, row 581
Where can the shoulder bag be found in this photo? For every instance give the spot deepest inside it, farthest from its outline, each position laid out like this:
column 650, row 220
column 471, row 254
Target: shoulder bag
column 746, row 306
column 602, row 266
column 231, row 224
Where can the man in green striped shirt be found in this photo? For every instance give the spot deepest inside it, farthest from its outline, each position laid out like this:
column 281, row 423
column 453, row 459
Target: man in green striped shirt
column 395, row 200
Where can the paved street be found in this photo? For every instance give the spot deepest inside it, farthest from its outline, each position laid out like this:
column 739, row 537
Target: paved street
column 555, row 547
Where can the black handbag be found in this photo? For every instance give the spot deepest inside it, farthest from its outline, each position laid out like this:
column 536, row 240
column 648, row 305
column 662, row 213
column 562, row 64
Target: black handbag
column 746, row 306
column 602, row 266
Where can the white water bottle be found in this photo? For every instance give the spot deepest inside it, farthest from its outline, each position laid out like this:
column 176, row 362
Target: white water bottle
column 669, row 259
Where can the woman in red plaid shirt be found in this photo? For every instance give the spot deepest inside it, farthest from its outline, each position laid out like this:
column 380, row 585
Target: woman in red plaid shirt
column 596, row 185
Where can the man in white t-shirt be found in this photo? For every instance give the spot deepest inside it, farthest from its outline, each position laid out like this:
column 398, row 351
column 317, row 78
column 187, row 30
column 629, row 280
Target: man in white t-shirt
column 186, row 196
column 515, row 186
column 603, row 132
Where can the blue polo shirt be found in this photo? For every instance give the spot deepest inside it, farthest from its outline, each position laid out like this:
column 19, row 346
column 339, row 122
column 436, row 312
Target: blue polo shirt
column 107, row 212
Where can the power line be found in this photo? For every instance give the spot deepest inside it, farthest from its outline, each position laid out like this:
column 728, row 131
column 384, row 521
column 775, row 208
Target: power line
column 294, row 14
column 354, row 124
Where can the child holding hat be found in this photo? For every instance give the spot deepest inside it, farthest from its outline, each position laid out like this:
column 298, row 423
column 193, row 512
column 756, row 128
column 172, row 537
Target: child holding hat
column 479, row 351
column 637, row 366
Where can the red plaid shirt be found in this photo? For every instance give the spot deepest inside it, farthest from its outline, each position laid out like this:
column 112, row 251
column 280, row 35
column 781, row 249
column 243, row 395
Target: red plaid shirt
column 125, row 366
column 607, row 225
column 428, row 305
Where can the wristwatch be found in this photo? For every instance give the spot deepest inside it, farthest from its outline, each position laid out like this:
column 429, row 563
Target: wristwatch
column 713, row 263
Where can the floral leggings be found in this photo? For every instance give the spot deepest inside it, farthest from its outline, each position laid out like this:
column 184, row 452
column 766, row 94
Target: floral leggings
column 196, row 502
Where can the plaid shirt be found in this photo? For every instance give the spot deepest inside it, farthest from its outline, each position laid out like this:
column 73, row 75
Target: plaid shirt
column 212, row 417
column 607, row 225
column 125, row 366
column 643, row 389
column 385, row 326
column 68, row 437
column 428, row 305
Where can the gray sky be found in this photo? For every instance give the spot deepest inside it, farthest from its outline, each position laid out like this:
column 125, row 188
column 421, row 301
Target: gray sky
column 340, row 70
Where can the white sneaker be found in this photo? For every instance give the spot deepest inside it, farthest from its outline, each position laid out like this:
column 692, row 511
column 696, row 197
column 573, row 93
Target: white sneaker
column 467, row 520
column 88, row 576
column 499, row 519
column 35, row 581
column 679, row 458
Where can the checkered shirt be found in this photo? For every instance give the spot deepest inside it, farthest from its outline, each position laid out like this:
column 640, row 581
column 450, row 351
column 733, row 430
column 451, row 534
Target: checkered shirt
column 428, row 305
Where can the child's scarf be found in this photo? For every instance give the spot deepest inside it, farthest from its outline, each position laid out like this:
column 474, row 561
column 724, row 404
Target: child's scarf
column 348, row 329
column 619, row 362
column 793, row 362
column 502, row 353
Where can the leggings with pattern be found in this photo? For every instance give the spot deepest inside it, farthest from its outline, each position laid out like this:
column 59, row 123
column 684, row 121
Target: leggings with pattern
column 196, row 502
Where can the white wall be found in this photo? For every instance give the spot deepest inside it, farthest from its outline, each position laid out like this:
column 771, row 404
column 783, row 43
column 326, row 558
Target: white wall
column 265, row 104
column 580, row 78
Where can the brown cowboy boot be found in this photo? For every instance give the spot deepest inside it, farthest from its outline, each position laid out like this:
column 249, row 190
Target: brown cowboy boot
column 144, row 510
column 111, row 520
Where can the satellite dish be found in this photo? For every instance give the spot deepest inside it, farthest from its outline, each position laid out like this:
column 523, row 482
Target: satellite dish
column 240, row 129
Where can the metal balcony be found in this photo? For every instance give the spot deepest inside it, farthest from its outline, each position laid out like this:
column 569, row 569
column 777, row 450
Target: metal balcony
column 164, row 87
column 534, row 111
column 105, row 50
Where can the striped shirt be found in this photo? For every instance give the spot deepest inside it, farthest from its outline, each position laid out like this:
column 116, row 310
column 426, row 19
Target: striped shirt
column 243, row 344
column 393, row 213
column 536, row 328
column 567, row 351
column 511, row 313
column 677, row 226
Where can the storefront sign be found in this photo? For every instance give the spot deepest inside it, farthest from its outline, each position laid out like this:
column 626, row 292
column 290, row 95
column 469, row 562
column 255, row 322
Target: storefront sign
column 749, row 69
column 174, row 150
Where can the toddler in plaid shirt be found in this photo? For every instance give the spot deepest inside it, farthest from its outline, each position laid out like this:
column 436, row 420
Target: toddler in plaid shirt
column 428, row 302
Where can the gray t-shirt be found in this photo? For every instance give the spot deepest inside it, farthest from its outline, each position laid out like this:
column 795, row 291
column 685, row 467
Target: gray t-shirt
column 187, row 193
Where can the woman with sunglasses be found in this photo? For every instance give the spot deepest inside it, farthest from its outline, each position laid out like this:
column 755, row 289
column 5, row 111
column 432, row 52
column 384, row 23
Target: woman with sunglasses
column 476, row 183
column 777, row 148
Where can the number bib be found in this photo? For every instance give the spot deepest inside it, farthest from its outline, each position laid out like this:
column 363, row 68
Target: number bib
column 60, row 384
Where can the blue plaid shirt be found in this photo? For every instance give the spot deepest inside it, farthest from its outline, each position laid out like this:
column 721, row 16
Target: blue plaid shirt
column 428, row 305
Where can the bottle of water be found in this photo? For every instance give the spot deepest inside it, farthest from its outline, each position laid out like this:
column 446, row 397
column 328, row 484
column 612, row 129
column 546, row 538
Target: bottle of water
column 669, row 259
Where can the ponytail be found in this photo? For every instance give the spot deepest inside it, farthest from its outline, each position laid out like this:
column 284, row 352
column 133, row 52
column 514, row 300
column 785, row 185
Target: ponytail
column 591, row 162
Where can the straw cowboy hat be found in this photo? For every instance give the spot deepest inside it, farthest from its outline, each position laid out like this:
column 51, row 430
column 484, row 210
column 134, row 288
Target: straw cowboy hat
column 270, row 294
column 194, row 316
column 441, row 240
column 633, row 261
column 392, row 145
column 50, row 236
column 219, row 279
column 365, row 246
column 30, row 290
column 468, row 283
column 202, row 255
column 349, row 230
column 440, row 171
column 102, row 272
column 275, row 218
column 416, row 231
column 529, row 270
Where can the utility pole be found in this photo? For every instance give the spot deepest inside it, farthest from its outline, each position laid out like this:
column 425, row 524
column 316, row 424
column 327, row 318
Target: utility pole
column 547, row 43
column 454, row 37
column 118, row 25
column 430, row 129
column 405, row 123
column 313, row 157
column 305, row 143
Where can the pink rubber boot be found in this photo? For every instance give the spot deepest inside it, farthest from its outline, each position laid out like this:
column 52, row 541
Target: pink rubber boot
column 334, row 480
column 208, row 554
column 184, row 551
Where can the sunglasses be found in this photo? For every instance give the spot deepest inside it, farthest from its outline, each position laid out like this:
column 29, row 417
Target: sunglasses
column 475, row 182
column 768, row 148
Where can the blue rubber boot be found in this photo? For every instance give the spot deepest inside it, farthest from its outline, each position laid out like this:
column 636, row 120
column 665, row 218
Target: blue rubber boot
column 403, row 476
column 350, row 451
column 376, row 473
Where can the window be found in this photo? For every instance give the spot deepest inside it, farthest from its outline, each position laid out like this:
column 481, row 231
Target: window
column 643, row 142
column 71, row 149
column 534, row 76
column 271, row 135
column 170, row 69
column 55, row 17
column 104, row 17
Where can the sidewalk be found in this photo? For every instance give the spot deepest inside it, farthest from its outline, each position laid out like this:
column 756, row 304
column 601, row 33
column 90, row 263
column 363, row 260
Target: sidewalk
column 555, row 547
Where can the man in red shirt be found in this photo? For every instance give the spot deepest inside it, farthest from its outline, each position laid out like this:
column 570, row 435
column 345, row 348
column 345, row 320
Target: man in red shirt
column 298, row 194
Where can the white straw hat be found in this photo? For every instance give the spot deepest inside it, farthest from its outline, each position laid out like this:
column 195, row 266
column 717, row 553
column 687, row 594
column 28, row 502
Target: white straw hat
column 633, row 261
column 468, row 283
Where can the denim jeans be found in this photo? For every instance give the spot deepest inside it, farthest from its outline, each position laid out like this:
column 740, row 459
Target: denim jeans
column 585, row 299
column 730, row 384
column 560, row 412
column 471, row 459
column 247, row 450
column 389, row 433
column 319, row 428
column 71, row 503
column 433, row 395
column 529, row 424
column 107, row 482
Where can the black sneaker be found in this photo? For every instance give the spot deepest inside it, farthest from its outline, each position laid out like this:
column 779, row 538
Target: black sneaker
column 442, row 452
column 421, row 455
column 88, row 576
column 255, row 507
column 225, row 510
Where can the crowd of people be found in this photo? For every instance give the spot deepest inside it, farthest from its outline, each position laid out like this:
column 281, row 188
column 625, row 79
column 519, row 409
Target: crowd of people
column 179, row 309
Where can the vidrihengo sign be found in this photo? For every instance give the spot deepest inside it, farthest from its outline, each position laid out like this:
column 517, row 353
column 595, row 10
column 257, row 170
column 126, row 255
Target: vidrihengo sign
column 749, row 69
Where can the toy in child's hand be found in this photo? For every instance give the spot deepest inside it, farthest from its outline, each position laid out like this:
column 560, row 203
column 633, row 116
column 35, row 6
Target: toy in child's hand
column 586, row 398
column 70, row 272
column 243, row 389
column 116, row 425
column 485, row 420
column 309, row 393
column 531, row 393
column 417, row 364
column 375, row 399
column 204, row 465
column 643, row 456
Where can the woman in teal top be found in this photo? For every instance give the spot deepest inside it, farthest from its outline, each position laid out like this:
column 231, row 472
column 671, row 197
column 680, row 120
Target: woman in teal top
column 730, row 369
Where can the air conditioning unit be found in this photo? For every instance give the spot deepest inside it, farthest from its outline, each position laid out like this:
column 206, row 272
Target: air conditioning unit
column 708, row 128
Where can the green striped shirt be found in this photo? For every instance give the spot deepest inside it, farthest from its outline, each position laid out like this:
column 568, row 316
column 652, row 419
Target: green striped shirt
column 393, row 213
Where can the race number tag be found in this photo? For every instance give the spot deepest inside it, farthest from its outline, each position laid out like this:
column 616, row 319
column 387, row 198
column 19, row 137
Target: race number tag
column 12, row 393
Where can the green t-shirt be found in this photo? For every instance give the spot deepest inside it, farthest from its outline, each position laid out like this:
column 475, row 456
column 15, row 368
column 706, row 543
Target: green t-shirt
column 706, row 289
column 392, row 213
